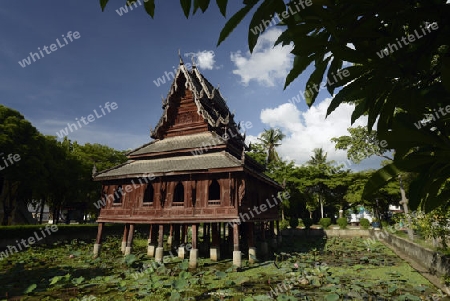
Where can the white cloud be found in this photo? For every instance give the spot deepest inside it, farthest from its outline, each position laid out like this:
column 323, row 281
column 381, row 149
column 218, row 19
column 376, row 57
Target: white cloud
column 267, row 64
column 308, row 130
column 204, row 59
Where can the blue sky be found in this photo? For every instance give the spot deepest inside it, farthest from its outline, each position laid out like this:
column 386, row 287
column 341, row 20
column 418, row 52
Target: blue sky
column 119, row 59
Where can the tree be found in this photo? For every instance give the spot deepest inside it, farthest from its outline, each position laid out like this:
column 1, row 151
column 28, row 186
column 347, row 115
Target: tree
column 361, row 144
column 21, row 164
column 270, row 139
column 322, row 170
column 397, row 68
column 47, row 171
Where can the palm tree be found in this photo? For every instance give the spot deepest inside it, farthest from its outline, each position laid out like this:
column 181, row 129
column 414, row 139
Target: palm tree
column 271, row 139
column 319, row 158
column 319, row 161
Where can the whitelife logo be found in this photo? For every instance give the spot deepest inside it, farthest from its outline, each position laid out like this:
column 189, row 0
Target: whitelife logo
column 411, row 38
column 31, row 240
column 90, row 118
column 341, row 74
column 276, row 18
column 119, row 193
column 53, row 47
column 11, row 158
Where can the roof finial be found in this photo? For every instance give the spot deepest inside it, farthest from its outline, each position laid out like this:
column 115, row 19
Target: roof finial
column 193, row 61
column 181, row 59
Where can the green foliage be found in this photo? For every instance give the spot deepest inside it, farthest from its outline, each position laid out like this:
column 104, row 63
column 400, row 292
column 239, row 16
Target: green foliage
column 284, row 224
column 342, row 222
column 361, row 144
column 270, row 139
column 293, row 222
column 394, row 88
column 56, row 173
column 307, row 222
column 315, row 267
column 364, row 222
column 325, row 222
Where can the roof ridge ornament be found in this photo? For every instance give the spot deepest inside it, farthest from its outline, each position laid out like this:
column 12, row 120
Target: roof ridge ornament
column 181, row 59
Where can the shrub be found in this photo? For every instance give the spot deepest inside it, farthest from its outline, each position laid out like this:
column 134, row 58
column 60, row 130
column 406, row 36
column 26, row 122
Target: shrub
column 300, row 223
column 293, row 222
column 307, row 222
column 342, row 222
column 284, row 224
column 364, row 222
column 384, row 224
column 325, row 222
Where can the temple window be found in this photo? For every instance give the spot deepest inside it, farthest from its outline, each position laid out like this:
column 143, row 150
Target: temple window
column 148, row 195
column 178, row 195
column 214, row 193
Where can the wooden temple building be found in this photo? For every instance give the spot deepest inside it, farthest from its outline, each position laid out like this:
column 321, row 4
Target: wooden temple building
column 194, row 171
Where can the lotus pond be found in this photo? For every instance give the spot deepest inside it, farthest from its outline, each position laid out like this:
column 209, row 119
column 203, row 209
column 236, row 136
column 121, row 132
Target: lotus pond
column 302, row 269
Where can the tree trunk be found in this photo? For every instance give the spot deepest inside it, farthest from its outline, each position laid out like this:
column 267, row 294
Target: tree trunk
column 321, row 207
column 8, row 198
column 404, row 202
column 41, row 215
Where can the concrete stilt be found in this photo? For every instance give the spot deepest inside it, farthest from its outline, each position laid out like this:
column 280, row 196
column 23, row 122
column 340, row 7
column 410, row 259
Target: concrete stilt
column 98, row 241
column 181, row 252
column 151, row 250
column 123, row 246
column 127, row 250
column 159, row 254
column 251, row 255
column 170, row 240
column 97, row 249
column 214, row 253
column 193, row 256
column 237, row 258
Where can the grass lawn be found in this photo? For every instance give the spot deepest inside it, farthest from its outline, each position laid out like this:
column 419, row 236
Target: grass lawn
column 303, row 269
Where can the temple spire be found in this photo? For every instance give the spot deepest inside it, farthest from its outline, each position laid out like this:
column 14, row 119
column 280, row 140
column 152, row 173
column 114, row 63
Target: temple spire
column 181, row 59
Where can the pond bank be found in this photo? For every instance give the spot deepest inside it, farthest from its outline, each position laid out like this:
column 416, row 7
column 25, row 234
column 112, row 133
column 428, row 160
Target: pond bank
column 431, row 264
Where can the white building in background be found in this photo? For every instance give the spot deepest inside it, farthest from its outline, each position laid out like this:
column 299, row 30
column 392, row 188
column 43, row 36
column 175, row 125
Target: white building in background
column 35, row 211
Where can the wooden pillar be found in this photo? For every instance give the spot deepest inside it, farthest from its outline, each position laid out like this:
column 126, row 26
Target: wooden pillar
column 151, row 246
column 214, row 251
column 98, row 241
column 272, row 229
column 124, row 238
column 194, row 236
column 161, row 236
column 129, row 240
column 279, row 236
column 264, row 245
column 273, row 238
column 250, row 235
column 205, row 233
column 235, row 237
column 170, row 238
column 183, row 234
column 155, row 229
column 176, row 235
column 263, row 231
column 160, row 249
